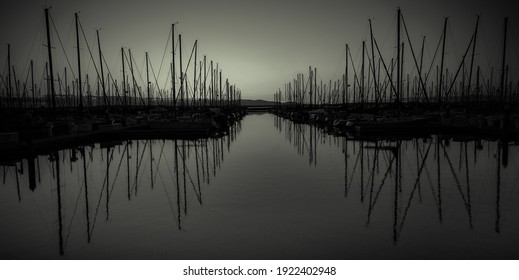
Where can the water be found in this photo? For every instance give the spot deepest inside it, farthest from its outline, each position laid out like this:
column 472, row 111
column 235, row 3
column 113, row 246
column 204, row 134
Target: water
column 270, row 189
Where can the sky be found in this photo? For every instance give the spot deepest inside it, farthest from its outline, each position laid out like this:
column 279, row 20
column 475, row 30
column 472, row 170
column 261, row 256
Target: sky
column 259, row 45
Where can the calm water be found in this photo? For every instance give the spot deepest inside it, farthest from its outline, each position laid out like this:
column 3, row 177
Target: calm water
column 270, row 189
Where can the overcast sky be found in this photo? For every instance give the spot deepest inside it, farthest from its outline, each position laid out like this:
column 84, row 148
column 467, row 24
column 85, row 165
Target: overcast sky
column 260, row 45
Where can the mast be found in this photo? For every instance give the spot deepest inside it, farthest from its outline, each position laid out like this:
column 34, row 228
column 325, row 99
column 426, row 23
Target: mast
column 205, row 82
column 86, row 194
column 105, row 98
column 10, row 89
column 315, row 85
column 472, row 59
column 67, row 99
column 133, row 78
column 373, row 68
column 346, row 85
column 362, row 72
column 79, row 86
column 51, row 72
column 32, row 85
column 440, row 85
column 310, row 90
column 181, row 72
column 194, row 75
column 502, row 84
column 173, row 77
column 220, row 85
column 148, row 81
column 398, row 60
column 212, row 84
column 124, row 79
column 58, row 187
column 421, row 65
column 227, row 90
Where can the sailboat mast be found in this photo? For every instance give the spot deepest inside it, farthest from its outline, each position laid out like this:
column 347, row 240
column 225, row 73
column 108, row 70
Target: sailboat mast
column 440, row 85
column 173, row 77
column 502, row 83
column 346, row 85
column 373, row 68
column 212, row 85
column 194, row 75
column 124, row 79
column 79, row 86
column 398, row 58
column 472, row 59
column 105, row 98
column 181, row 72
column 133, row 78
column 148, row 80
column 362, row 72
column 32, row 85
column 205, row 82
column 51, row 72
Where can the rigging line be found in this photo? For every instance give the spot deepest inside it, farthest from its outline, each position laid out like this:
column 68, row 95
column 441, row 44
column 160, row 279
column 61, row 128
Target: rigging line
column 4, row 83
column 112, row 79
column 24, row 90
column 160, row 157
column 168, row 167
column 166, row 82
column 339, row 66
column 155, row 77
column 458, row 184
column 414, row 189
column 117, row 173
column 434, row 57
column 386, row 174
column 453, row 41
column 165, row 49
column 139, row 166
column 168, row 198
column 461, row 65
column 354, row 168
column 73, row 215
column 134, row 82
column 62, row 47
column 138, row 70
column 415, row 61
column 385, row 68
column 429, row 180
column 199, row 196
column 371, row 177
column 355, row 76
column 89, row 50
column 97, row 207
column 195, row 45
column 39, row 32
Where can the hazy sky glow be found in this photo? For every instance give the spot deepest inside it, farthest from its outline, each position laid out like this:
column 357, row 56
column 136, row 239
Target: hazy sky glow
column 260, row 45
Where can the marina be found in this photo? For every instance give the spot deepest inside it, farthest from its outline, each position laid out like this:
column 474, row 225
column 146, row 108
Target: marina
column 416, row 198
column 408, row 151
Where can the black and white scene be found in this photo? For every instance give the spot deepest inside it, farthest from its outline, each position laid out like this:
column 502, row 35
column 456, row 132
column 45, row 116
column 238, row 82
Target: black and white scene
column 259, row 130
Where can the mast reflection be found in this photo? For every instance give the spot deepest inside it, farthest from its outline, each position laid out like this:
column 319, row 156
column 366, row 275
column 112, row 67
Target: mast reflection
column 105, row 172
column 442, row 164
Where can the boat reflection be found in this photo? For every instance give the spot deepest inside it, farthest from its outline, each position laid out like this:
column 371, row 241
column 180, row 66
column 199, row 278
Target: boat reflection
column 440, row 173
column 92, row 179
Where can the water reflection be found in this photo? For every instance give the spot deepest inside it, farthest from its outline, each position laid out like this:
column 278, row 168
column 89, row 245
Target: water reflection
column 85, row 183
column 269, row 189
column 417, row 174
